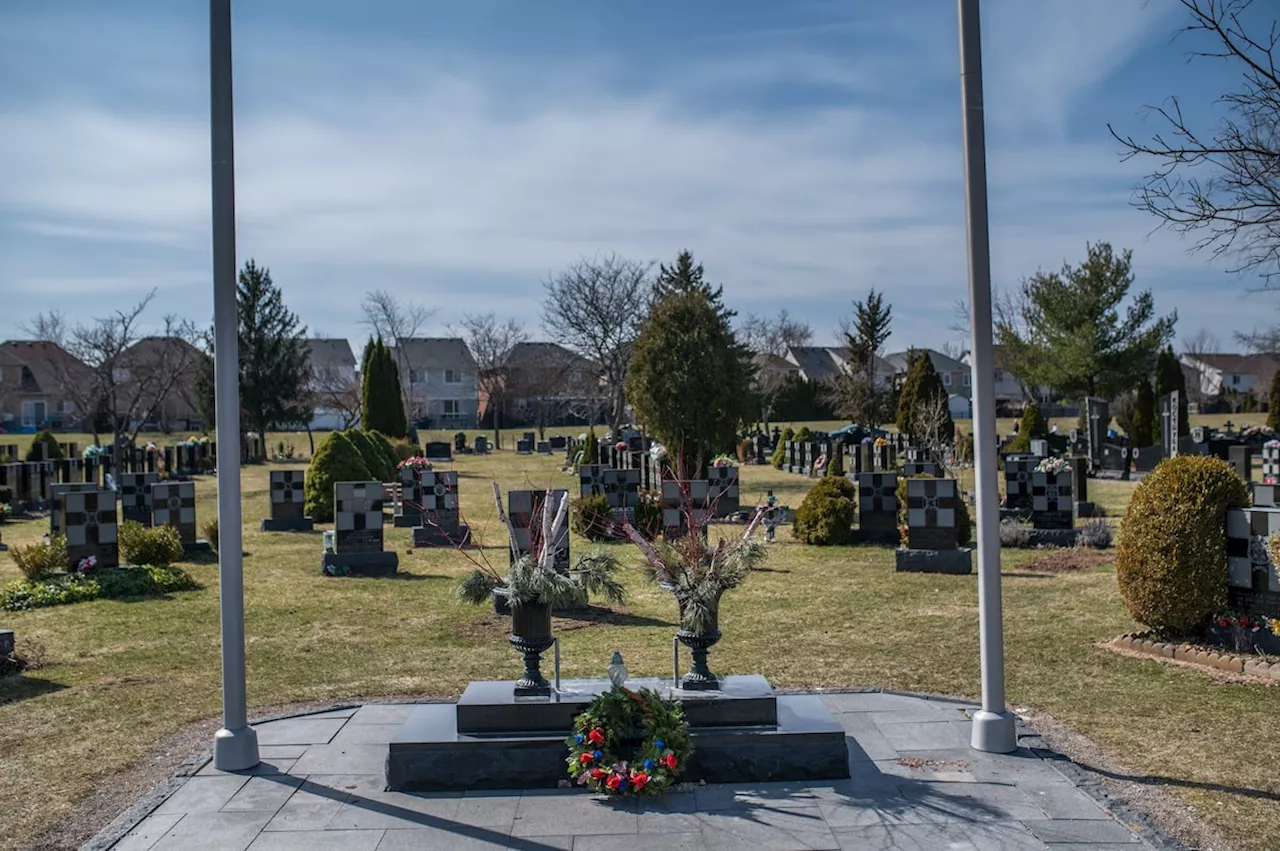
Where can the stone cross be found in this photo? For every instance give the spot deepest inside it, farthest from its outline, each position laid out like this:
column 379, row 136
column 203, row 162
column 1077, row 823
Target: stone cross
column 288, row 494
column 931, row 514
column 357, row 517
column 135, row 496
column 89, row 517
column 174, row 504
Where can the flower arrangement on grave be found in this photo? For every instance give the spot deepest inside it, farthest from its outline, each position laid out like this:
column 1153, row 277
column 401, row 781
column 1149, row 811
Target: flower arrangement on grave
column 722, row 460
column 880, row 441
column 1053, row 466
column 6, row 511
column 605, row 754
column 93, row 451
column 1272, row 444
column 620, row 446
column 415, row 462
column 658, row 452
column 87, row 564
column 867, row 439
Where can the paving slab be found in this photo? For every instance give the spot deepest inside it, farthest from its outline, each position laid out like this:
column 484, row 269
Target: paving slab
column 1082, row 830
column 148, row 833
column 319, row 840
column 299, row 731
column 213, row 832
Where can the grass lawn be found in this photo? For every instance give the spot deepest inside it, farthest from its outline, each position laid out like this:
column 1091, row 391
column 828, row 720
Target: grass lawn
column 123, row 675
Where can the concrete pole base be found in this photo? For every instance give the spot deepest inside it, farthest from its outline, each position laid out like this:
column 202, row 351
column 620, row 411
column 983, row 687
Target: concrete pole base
column 993, row 732
column 235, row 750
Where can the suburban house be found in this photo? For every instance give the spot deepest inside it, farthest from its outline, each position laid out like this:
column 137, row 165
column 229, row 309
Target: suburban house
column 441, row 380
column 155, row 381
column 546, row 384
column 1220, row 377
column 334, row 384
column 34, row 392
column 1011, row 395
column 822, row 363
column 955, row 375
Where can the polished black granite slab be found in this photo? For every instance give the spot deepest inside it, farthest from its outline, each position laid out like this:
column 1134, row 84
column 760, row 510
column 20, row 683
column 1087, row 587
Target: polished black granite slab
column 958, row 561
column 287, row 524
column 361, row 564
column 429, row 753
column 493, row 707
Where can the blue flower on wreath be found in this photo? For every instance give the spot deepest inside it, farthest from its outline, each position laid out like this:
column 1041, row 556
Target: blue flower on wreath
column 597, row 755
column 622, row 785
column 660, row 744
column 579, row 738
column 648, row 765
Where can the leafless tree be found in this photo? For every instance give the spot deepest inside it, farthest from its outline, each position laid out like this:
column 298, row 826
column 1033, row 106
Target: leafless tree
column 491, row 342
column 773, row 335
column 119, row 370
column 1222, row 183
column 596, row 308
column 396, row 322
column 339, row 394
column 1200, row 343
column 931, row 418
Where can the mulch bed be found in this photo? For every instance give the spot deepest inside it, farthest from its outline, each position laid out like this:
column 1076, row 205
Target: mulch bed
column 1071, row 560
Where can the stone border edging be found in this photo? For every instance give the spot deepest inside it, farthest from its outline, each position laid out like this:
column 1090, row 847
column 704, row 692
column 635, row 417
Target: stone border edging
column 1085, row 779
column 1231, row 663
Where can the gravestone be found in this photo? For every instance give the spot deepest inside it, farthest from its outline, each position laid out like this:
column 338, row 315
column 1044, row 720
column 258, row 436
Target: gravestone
column 524, row 509
column 1052, row 503
column 877, row 508
column 525, row 447
column 544, row 447
column 722, row 491
column 591, row 479
column 1097, row 416
column 1271, row 463
column 1146, row 458
column 1017, row 482
column 89, row 518
column 531, row 436
column 921, row 468
column 408, row 513
column 1253, row 585
column 1265, row 496
column 932, row 532
column 174, row 504
column 357, row 535
column 441, row 524
column 622, row 489
column 57, row 522
column 135, row 496
column 288, row 494
column 1114, row 460
column 459, row 442
column 7, row 646
column 438, row 450
column 1169, row 424
column 684, row 501
column 1040, row 447
column 8, row 453
column 1240, row 457
column 481, row 445
column 560, row 443
column 1080, row 487
column 885, row 458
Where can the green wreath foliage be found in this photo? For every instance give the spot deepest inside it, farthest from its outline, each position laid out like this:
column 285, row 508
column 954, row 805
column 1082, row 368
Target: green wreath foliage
column 629, row 743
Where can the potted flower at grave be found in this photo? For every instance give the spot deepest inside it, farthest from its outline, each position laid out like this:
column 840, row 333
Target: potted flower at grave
column 699, row 573
column 722, row 461
column 415, row 462
column 533, row 587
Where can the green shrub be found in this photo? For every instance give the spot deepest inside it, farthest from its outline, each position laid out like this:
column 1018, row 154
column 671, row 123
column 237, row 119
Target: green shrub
column 826, row 515
column 591, row 448
column 158, row 545
column 835, row 461
column 108, row 582
column 648, row 515
column 1032, row 425
column 592, row 517
column 404, row 449
column 41, row 558
column 336, row 460
column 746, row 451
column 53, row 451
column 1171, row 564
column 780, row 451
column 373, row 459
column 803, row 434
column 210, row 530
column 390, row 457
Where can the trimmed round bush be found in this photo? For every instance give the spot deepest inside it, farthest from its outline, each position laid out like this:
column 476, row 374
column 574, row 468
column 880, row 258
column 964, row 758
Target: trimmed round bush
column 160, row 546
column 53, row 452
column 337, row 460
column 592, row 517
column 373, row 460
column 388, row 452
column 41, row 558
column 825, row 517
column 1172, row 559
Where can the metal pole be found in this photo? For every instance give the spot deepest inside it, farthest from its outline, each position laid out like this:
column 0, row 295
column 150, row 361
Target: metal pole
column 993, row 729
column 235, row 746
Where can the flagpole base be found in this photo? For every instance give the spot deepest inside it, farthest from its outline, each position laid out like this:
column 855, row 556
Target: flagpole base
column 235, row 750
column 993, row 732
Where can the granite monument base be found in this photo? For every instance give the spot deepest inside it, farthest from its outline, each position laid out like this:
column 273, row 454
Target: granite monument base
column 406, row 521
column 287, row 524
column 199, row 546
column 958, row 561
column 434, row 536
column 1086, row 509
column 359, row 564
column 7, row 643
column 1015, row 513
column 744, row 733
column 883, row 537
column 1052, row 538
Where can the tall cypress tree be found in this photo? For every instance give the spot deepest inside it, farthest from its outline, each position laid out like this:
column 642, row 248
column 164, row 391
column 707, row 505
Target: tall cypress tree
column 1273, row 403
column 1169, row 377
column 379, row 388
column 1144, row 407
column 922, row 389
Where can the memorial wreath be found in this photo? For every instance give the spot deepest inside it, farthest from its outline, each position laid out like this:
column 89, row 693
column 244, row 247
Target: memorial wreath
column 629, row 743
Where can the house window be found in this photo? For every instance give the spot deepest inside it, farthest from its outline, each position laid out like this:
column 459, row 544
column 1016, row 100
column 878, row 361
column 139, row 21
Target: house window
column 413, row 376
column 452, row 407
column 452, row 376
column 967, row 379
column 1235, row 380
column 999, row 375
column 946, row 379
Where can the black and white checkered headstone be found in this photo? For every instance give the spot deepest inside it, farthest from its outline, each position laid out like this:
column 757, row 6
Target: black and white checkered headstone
column 524, row 509
column 1017, row 481
column 57, row 522
column 723, row 492
column 288, row 493
column 878, row 501
column 683, row 501
column 591, row 479
column 410, row 494
column 135, row 496
column 174, row 504
column 921, row 468
column 931, row 514
column 621, row 487
column 357, row 514
column 1265, row 496
column 1271, row 464
column 1052, row 501
column 89, row 518
column 1253, row 584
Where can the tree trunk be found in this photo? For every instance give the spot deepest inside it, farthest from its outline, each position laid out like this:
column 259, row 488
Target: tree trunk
column 311, row 441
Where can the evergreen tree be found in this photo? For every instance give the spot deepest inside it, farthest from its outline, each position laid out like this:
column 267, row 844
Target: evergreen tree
column 688, row 381
column 1273, row 403
column 1144, row 413
column 923, row 413
column 591, row 447
column 855, row 394
column 381, row 408
column 687, row 277
column 275, row 366
column 1065, row 330
column 1169, row 377
column 1033, row 425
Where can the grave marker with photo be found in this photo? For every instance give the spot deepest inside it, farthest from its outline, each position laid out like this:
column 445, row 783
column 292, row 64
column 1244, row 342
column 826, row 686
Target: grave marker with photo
column 89, row 518
column 358, row 533
column 174, row 504
column 441, row 524
column 135, row 496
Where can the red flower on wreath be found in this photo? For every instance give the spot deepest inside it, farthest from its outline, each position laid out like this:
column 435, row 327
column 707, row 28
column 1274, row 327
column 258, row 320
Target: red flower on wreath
column 586, row 757
column 1223, row 622
column 613, row 782
column 597, row 773
column 639, row 778
column 596, row 736
column 670, row 760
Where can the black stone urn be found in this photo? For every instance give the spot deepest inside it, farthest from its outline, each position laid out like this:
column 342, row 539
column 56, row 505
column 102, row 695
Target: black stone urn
column 700, row 677
column 531, row 635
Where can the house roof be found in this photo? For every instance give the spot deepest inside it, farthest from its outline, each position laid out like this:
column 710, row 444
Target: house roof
column 816, row 362
column 1237, row 363
column 44, row 361
column 941, row 362
column 540, row 354
column 437, row 352
column 147, row 346
column 767, row 361
column 330, row 351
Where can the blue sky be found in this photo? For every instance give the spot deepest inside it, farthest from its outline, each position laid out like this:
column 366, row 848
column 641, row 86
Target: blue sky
column 458, row 153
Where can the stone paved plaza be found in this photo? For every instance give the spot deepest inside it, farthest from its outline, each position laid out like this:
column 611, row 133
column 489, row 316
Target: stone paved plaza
column 915, row 785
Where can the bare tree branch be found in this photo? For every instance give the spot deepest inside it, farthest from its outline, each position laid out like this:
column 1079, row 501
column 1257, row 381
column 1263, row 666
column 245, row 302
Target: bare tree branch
column 491, row 342
column 396, row 322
